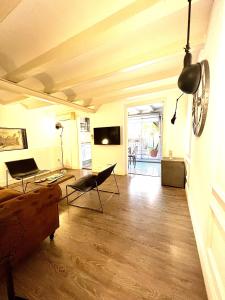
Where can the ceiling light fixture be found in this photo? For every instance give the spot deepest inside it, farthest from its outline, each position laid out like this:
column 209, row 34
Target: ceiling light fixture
column 190, row 77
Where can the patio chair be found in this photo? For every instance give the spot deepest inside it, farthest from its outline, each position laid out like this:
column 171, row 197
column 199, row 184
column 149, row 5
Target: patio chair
column 91, row 182
column 132, row 156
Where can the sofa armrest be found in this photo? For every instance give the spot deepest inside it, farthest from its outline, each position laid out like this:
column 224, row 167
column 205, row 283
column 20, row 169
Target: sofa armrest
column 7, row 194
column 27, row 220
column 28, row 204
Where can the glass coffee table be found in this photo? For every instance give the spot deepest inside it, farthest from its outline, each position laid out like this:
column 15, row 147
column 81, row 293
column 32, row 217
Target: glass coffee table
column 54, row 178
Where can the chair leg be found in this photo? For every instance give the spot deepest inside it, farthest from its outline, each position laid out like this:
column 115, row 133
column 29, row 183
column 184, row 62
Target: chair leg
column 114, row 175
column 52, row 235
column 24, row 188
column 67, row 198
column 68, row 194
column 117, row 187
column 75, row 205
column 7, row 178
column 24, row 185
column 134, row 161
column 99, row 198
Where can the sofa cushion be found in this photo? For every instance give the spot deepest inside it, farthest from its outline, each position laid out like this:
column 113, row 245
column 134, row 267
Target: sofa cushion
column 6, row 194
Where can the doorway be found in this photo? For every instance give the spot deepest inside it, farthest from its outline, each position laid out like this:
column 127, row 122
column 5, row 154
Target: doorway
column 145, row 139
column 85, row 143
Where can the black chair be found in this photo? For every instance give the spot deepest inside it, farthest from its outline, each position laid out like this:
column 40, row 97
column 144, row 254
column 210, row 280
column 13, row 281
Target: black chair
column 22, row 169
column 132, row 156
column 91, row 182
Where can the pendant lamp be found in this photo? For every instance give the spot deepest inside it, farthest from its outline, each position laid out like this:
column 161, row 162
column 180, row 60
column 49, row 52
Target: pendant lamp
column 190, row 77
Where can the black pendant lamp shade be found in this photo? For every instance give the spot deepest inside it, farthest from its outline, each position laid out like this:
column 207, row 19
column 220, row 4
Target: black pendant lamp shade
column 190, row 77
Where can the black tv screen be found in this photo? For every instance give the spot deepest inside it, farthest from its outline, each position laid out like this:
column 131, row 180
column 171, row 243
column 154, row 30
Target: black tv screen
column 107, row 135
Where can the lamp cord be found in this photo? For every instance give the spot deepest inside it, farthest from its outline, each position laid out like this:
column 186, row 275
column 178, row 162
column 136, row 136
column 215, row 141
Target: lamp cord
column 187, row 48
column 177, row 101
column 174, row 116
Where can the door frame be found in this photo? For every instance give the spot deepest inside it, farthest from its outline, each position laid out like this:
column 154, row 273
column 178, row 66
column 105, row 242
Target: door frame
column 139, row 103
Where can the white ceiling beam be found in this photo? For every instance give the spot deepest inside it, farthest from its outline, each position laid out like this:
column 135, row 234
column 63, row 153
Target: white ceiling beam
column 92, row 91
column 7, row 85
column 108, row 70
column 6, row 7
column 87, row 39
column 14, row 99
column 131, row 94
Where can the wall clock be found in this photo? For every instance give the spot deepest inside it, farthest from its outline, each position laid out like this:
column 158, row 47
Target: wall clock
column 200, row 100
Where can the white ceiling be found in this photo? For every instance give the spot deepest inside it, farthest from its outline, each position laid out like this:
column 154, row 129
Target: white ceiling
column 91, row 52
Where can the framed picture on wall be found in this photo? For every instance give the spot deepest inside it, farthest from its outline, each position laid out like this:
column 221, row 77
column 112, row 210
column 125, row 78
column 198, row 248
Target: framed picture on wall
column 13, row 139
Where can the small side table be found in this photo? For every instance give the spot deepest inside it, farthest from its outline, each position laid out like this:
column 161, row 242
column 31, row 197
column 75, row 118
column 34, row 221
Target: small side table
column 173, row 172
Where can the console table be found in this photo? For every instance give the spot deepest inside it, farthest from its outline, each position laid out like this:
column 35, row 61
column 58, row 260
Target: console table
column 173, row 172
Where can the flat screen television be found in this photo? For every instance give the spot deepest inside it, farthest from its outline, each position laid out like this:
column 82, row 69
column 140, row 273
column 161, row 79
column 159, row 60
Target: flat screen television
column 107, row 135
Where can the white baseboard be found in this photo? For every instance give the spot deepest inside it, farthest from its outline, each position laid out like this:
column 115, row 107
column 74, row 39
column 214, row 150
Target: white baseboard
column 207, row 271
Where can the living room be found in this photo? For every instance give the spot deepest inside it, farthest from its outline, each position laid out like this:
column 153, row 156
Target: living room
column 92, row 69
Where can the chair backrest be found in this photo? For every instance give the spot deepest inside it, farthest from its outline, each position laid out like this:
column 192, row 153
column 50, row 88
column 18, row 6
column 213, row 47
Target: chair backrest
column 129, row 150
column 135, row 150
column 103, row 175
column 21, row 166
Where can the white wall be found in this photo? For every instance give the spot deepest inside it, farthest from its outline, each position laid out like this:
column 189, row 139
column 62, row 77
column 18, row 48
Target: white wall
column 41, row 136
column 115, row 114
column 43, row 139
column 174, row 135
column 206, row 165
column 111, row 114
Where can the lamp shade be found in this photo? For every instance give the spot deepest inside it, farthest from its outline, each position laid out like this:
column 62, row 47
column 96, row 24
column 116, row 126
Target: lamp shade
column 58, row 125
column 189, row 79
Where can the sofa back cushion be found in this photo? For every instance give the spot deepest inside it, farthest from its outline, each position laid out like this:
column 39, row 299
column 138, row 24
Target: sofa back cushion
column 6, row 194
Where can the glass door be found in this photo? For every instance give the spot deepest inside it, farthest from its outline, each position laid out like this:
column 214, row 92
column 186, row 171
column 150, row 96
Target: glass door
column 144, row 137
column 144, row 144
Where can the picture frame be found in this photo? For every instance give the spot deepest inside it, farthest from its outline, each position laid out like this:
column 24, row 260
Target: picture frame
column 13, row 139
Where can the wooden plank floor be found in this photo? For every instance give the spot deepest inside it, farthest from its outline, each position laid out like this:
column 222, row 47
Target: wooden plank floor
column 142, row 247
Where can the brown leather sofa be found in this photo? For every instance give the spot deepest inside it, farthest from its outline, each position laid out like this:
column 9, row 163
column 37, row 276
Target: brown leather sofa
column 26, row 220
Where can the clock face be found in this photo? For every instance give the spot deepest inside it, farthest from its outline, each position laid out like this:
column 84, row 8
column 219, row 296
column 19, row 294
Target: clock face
column 200, row 100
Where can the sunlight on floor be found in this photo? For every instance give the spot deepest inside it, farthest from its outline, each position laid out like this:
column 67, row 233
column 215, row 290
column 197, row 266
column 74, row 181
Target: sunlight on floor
column 145, row 168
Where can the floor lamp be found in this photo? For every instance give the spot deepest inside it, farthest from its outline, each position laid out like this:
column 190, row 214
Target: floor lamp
column 58, row 125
